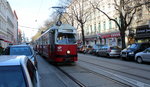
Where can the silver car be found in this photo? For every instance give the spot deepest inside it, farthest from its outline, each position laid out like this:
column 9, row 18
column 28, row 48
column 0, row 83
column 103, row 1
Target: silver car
column 143, row 56
column 18, row 71
column 109, row 51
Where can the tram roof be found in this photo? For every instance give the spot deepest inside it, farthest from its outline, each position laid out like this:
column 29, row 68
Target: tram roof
column 62, row 26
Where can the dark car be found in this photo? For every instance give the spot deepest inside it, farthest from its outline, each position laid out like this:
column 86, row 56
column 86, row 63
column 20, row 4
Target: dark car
column 26, row 50
column 109, row 51
column 129, row 52
column 18, row 71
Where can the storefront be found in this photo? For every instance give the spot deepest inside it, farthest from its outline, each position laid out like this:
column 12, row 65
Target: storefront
column 111, row 39
column 91, row 40
column 143, row 34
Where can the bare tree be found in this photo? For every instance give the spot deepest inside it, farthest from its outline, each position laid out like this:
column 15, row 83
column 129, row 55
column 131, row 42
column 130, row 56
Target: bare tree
column 126, row 10
column 80, row 14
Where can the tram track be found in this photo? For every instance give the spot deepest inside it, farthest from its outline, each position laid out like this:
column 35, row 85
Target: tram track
column 103, row 76
column 123, row 65
column 94, row 73
column 71, row 77
column 146, row 78
column 117, row 70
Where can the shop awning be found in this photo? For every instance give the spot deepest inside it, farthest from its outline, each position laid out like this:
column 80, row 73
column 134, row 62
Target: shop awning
column 115, row 35
column 106, row 36
column 111, row 35
column 7, row 41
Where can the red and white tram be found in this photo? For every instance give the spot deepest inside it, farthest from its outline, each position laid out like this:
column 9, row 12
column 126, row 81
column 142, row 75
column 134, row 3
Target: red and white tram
column 58, row 44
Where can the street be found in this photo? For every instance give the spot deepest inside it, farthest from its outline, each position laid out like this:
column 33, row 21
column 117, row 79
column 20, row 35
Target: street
column 95, row 71
column 90, row 43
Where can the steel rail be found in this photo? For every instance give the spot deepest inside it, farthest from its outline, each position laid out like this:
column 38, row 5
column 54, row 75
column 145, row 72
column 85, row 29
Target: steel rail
column 146, row 78
column 72, row 78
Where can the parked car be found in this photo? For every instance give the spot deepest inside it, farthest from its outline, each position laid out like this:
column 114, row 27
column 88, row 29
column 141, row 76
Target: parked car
column 21, row 50
column 95, row 49
column 81, row 48
column 88, row 49
column 18, row 71
column 109, row 51
column 143, row 56
column 129, row 52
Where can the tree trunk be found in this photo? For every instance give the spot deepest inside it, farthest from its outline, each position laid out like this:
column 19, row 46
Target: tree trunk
column 123, row 39
column 83, row 38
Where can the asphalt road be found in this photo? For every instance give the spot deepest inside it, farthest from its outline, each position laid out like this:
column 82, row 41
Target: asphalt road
column 51, row 76
column 95, row 71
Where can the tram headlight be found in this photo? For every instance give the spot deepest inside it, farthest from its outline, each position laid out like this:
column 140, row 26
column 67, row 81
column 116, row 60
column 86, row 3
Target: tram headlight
column 68, row 51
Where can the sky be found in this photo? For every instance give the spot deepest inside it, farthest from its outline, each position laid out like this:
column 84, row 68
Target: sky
column 32, row 14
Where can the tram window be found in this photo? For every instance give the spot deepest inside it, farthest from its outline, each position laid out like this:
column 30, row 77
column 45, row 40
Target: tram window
column 64, row 38
column 71, row 39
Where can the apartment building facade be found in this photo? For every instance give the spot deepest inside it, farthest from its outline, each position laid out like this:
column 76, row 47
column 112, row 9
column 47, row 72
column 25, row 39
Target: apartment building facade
column 98, row 29
column 8, row 24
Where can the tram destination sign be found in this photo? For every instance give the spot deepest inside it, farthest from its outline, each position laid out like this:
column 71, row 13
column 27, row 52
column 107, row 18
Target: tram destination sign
column 66, row 30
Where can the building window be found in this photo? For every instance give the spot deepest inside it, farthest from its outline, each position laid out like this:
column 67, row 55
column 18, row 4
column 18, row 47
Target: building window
column 0, row 24
column 103, row 7
column 119, row 21
column 115, row 22
column 109, row 5
column 99, row 27
column 91, row 28
column 104, row 23
column 139, row 13
column 110, row 24
column 95, row 28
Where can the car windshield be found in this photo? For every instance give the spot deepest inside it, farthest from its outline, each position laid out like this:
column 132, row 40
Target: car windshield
column 133, row 46
column 11, row 76
column 20, row 51
column 64, row 38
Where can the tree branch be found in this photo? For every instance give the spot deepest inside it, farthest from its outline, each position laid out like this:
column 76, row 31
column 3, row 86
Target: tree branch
column 131, row 17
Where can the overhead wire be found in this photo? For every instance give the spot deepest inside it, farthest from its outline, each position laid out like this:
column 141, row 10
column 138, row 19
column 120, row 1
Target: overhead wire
column 36, row 17
column 27, row 27
column 38, row 12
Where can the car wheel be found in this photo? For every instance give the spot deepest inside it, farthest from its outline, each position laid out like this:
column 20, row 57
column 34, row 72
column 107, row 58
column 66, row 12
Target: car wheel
column 107, row 55
column 139, row 59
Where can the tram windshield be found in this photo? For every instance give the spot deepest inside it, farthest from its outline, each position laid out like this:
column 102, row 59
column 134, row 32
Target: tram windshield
column 65, row 38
